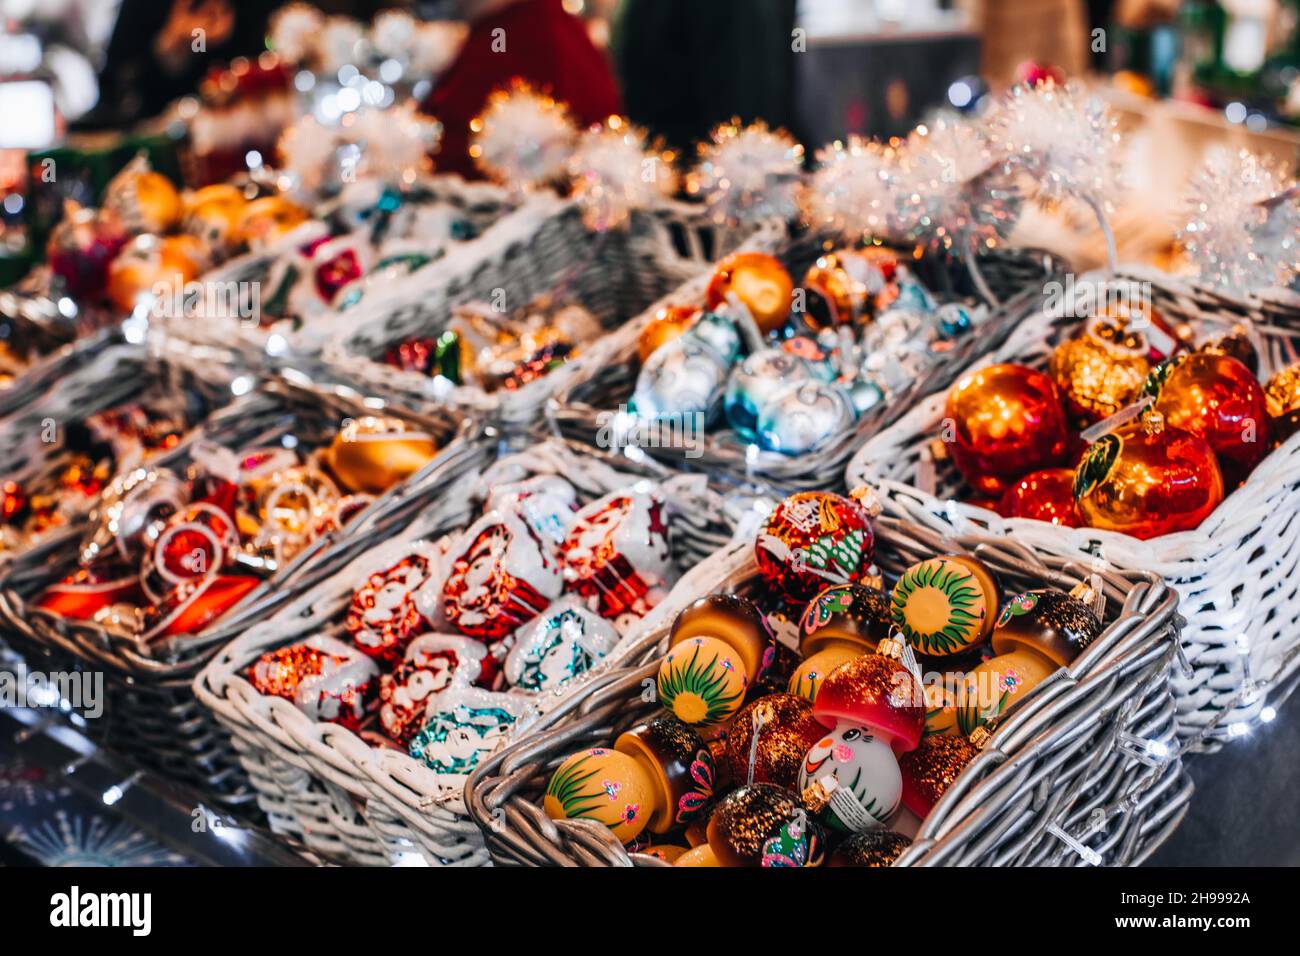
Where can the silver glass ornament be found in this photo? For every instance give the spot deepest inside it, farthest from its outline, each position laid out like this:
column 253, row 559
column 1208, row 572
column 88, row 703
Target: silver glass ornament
column 804, row 417
column 755, row 382
column 682, row 377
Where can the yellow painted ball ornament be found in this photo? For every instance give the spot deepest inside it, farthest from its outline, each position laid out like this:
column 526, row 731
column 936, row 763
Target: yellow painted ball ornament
column 267, row 219
column 945, row 605
column 603, row 785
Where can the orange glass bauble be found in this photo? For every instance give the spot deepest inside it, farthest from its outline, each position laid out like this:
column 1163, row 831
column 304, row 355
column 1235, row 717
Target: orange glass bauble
column 212, row 215
column 1101, row 370
column 1046, row 495
column 667, row 324
column 1147, row 479
column 1282, row 398
column 267, row 219
column 144, row 201
column 759, row 281
column 149, row 261
column 1216, row 397
column 1002, row 422
column 849, row 285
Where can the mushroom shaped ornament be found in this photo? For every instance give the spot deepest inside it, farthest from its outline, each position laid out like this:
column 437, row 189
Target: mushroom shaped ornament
column 716, row 649
column 658, row 776
column 1037, row 633
column 852, row 616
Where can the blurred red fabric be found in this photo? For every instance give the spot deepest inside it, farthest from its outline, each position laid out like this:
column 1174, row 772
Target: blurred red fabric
column 545, row 46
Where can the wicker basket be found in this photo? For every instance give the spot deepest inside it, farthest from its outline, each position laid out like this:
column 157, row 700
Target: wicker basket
column 254, row 344
column 602, row 381
column 1076, row 753
column 1235, row 572
column 321, row 782
column 150, row 715
column 542, row 248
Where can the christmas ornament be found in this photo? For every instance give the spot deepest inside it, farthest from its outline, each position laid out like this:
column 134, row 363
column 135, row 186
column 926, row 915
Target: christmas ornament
column 192, row 605
column 1282, row 399
column 546, row 503
column 565, row 641
column 683, row 378
column 843, row 288
column 155, row 266
column 618, row 554
column 1037, row 633
column 754, row 383
column 850, row 616
column 1236, row 344
column 951, row 191
column 716, row 649
column 930, row 769
column 849, row 192
column 945, row 605
column 373, row 454
column 813, row 539
column 465, row 724
column 803, row 417
column 717, row 331
column 1046, row 495
column 523, row 138
column 212, row 214
column 383, row 617
column 131, row 511
column 850, row 778
column 265, row 220
column 1217, row 398
column 1241, row 222
column 193, row 544
column 771, row 736
column 701, row 855
column 85, row 592
column 431, row 664
column 324, row 678
column 871, row 848
column 1001, row 422
column 501, row 577
column 1101, row 370
column 141, row 199
column 604, row 785
column 747, row 818
column 667, row 324
column 746, row 174
column 1147, row 479
column 807, row 679
column 614, row 170
column 759, row 281
column 677, row 765
column 80, row 248
column 877, row 693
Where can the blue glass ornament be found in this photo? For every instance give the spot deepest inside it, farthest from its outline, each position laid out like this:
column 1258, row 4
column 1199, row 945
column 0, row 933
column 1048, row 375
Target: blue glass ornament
column 755, row 382
column 804, row 417
column 717, row 332
column 682, row 377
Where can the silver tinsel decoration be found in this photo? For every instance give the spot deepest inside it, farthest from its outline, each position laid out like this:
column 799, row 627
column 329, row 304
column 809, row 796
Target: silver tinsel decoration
column 523, row 138
column 952, row 191
column 1066, row 138
column 849, row 193
column 614, row 171
column 748, row 173
column 1241, row 225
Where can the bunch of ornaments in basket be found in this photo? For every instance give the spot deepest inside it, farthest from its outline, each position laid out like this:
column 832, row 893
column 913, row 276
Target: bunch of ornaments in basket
column 760, row 756
column 169, row 553
column 1176, row 424
column 791, row 370
column 444, row 651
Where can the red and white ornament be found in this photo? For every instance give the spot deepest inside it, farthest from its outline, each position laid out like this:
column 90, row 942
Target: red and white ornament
column 618, row 552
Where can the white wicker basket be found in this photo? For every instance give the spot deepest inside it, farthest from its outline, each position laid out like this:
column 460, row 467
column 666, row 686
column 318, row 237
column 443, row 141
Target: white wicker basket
column 327, row 787
column 542, row 248
column 1235, row 573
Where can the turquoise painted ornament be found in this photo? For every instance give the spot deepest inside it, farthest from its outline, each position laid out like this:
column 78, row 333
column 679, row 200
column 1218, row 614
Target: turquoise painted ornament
column 755, row 382
column 865, row 394
column 681, row 378
column 804, row 417
column 463, row 725
column 912, row 294
column 953, row 320
column 718, row 332
column 565, row 641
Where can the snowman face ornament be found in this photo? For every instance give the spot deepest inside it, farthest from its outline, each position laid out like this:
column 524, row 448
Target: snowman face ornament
column 565, row 641
column 858, row 773
column 433, row 663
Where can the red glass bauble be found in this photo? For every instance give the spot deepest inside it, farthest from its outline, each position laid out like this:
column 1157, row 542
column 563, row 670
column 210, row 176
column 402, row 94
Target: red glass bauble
column 812, row 540
column 1046, row 495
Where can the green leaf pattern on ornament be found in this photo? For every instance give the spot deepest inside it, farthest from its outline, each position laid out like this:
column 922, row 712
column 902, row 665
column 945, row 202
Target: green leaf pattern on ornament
column 962, row 593
column 831, row 553
column 569, row 787
column 707, row 681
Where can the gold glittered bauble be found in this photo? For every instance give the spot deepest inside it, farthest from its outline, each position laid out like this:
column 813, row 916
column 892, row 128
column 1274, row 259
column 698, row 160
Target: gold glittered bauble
column 746, row 819
column 1101, row 370
column 144, row 201
column 870, row 848
column 786, row 731
column 602, row 785
column 759, row 281
column 930, row 769
column 265, row 220
column 667, row 324
column 1282, row 398
column 808, row 677
column 374, row 454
